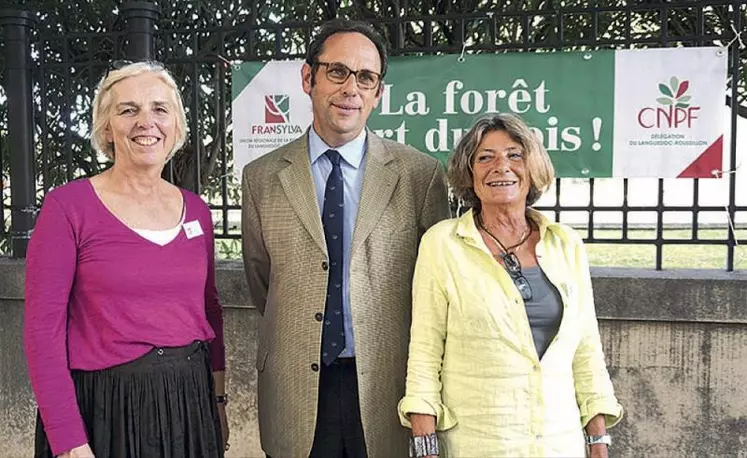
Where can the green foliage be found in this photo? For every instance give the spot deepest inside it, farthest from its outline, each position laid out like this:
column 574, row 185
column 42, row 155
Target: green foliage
column 4, row 183
column 228, row 249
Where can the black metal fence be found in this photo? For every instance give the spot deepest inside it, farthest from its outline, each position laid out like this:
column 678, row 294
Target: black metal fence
column 48, row 81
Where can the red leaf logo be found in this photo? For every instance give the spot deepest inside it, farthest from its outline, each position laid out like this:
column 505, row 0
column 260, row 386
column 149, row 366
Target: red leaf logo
column 682, row 89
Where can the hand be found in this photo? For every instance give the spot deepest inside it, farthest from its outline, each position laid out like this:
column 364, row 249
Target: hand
column 598, row 451
column 224, row 425
column 84, row 451
column 422, row 424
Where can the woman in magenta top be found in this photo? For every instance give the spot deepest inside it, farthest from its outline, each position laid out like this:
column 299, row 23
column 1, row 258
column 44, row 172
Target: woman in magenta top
column 123, row 326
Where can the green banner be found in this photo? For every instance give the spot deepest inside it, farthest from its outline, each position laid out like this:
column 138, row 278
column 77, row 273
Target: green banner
column 624, row 113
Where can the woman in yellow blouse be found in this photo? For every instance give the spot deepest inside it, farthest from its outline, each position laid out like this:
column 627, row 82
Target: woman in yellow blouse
column 505, row 355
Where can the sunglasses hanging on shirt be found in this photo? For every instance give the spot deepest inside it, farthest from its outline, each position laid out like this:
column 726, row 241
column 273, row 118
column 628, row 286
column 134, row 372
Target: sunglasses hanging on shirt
column 511, row 261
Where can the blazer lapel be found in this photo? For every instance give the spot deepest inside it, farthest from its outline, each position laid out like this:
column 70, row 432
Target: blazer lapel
column 298, row 185
column 379, row 182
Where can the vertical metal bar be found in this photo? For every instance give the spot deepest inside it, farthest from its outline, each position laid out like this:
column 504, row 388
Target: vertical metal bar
column 251, row 45
column 427, row 28
column 219, row 116
column 625, row 210
column 699, row 25
column 628, row 24
column 492, row 28
column 695, row 208
column 195, row 116
column 557, row 200
column 590, row 234
column 46, row 184
column 660, row 203
column 168, row 170
column 399, row 35
column 94, row 79
column 694, row 233
column 3, row 231
column 278, row 42
column 140, row 18
column 595, row 25
column 17, row 27
column 462, row 33
column 118, row 39
column 731, row 238
column 659, row 224
column 558, row 184
column 67, row 109
column 664, row 19
column 160, row 53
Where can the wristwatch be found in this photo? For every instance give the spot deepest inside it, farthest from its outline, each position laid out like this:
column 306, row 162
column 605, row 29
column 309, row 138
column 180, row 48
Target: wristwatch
column 593, row 440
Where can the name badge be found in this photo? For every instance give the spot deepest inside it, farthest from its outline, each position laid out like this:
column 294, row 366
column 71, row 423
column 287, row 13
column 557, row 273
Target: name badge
column 192, row 229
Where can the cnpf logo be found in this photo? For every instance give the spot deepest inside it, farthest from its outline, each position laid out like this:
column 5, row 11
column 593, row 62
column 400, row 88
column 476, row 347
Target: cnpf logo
column 674, row 110
column 277, row 109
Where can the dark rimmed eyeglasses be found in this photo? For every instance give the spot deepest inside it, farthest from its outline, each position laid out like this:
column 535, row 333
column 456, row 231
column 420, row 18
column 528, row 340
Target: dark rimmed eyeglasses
column 338, row 73
column 512, row 264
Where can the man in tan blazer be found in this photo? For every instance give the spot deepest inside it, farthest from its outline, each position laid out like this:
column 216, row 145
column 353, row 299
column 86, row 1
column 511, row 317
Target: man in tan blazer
column 323, row 393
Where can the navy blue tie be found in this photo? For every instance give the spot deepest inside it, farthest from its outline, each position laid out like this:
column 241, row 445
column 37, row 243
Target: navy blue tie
column 333, row 331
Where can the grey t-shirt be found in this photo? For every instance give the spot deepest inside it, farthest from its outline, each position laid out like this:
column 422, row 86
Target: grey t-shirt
column 544, row 310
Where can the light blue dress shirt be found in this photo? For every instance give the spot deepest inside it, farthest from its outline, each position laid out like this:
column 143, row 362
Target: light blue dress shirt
column 352, row 166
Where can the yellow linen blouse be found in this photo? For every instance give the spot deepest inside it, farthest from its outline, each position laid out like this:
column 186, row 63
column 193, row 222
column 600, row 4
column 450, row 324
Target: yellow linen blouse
column 472, row 360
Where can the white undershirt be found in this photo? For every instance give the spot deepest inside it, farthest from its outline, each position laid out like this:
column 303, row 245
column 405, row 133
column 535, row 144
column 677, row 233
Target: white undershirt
column 161, row 237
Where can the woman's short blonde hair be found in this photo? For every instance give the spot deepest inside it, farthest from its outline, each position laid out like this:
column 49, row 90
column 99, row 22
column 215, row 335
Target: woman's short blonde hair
column 539, row 168
column 102, row 104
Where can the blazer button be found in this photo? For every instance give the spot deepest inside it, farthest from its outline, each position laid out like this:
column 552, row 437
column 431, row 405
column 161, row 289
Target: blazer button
column 324, row 266
column 318, row 317
column 314, row 367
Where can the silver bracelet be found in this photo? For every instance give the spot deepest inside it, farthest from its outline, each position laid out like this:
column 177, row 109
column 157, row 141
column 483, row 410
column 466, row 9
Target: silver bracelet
column 421, row 446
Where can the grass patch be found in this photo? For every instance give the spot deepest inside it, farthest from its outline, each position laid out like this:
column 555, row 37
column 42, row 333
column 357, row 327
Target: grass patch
column 673, row 256
column 619, row 255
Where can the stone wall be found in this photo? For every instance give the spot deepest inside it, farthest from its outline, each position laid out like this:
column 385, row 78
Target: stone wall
column 676, row 346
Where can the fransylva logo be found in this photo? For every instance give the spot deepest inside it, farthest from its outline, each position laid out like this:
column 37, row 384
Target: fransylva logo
column 277, row 117
column 277, row 109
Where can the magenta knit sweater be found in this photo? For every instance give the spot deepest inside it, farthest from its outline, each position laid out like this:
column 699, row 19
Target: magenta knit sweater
column 99, row 295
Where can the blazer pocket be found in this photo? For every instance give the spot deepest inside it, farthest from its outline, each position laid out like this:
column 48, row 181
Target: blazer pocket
column 261, row 360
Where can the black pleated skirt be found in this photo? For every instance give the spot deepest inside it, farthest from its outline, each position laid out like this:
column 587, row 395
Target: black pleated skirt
column 161, row 405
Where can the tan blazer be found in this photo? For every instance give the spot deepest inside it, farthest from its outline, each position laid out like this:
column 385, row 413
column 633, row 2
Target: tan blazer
column 403, row 194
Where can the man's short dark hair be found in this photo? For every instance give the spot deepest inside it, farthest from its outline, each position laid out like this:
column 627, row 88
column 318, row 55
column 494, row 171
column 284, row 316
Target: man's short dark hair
column 334, row 26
